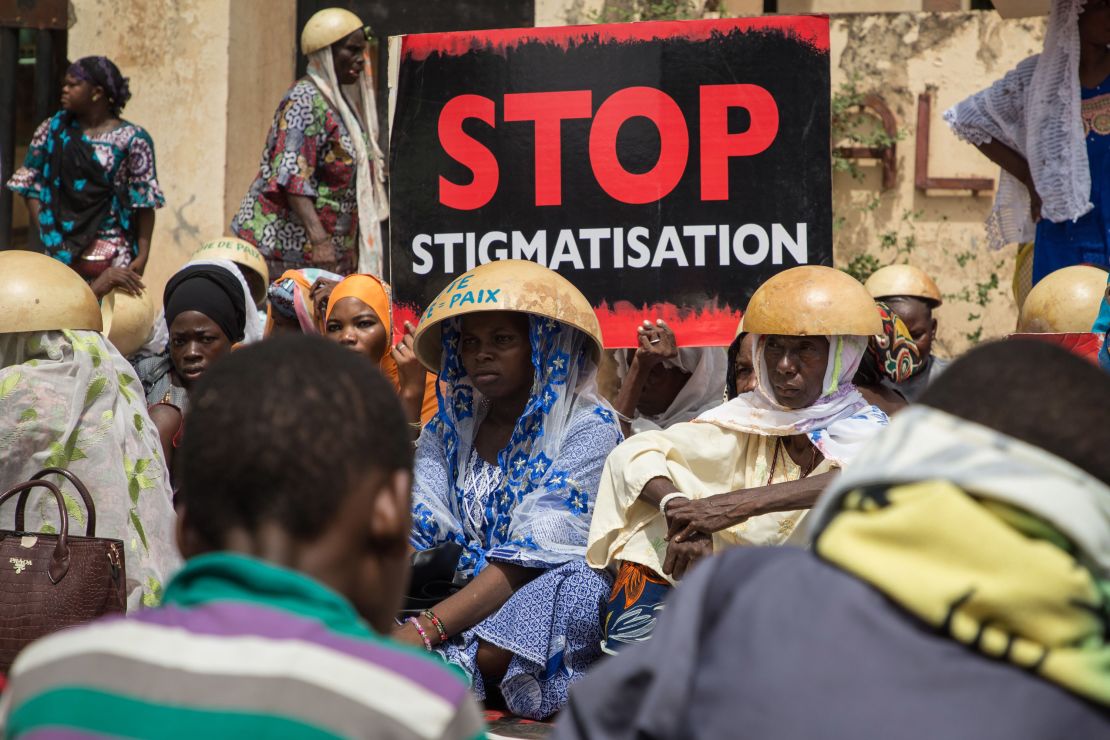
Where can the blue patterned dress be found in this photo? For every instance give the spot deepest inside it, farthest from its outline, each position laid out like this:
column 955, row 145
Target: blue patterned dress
column 532, row 509
column 126, row 154
column 1086, row 240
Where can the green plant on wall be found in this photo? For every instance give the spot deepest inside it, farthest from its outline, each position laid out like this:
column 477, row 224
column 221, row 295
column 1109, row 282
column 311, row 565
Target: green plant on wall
column 627, row 11
column 850, row 126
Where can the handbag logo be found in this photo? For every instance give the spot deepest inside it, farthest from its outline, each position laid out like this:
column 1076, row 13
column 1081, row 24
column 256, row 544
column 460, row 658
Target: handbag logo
column 19, row 564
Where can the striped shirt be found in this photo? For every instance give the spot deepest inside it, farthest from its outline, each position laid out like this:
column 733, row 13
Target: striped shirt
column 239, row 648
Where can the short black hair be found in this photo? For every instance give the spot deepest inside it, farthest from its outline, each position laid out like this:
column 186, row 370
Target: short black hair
column 1036, row 392
column 281, row 431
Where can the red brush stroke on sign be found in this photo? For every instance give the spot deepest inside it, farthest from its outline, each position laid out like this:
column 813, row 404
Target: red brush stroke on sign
column 707, row 327
column 1082, row 344
column 809, row 29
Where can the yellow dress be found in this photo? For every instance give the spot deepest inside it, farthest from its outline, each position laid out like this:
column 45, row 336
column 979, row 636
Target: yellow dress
column 701, row 460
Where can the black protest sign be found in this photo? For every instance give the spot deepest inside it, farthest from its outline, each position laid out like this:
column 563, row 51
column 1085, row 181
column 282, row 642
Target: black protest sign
column 666, row 169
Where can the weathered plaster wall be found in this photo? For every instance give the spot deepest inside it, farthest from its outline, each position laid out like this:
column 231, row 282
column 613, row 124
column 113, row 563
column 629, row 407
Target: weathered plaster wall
column 262, row 60
column 954, row 55
column 205, row 77
column 567, row 12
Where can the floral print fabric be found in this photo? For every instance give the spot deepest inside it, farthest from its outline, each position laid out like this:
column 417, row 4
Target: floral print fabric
column 127, row 155
column 309, row 153
column 69, row 399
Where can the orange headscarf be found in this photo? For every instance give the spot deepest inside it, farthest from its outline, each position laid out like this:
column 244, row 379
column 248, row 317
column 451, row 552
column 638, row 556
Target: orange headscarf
column 376, row 294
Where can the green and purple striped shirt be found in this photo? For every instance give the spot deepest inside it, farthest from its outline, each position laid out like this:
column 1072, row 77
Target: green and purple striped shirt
column 239, row 648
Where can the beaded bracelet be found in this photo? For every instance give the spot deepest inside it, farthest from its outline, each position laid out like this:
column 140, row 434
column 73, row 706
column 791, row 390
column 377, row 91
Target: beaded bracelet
column 437, row 623
column 423, row 635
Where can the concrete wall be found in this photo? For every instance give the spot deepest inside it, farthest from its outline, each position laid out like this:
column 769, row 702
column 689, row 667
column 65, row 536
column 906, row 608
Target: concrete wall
column 205, row 78
column 263, row 54
column 952, row 55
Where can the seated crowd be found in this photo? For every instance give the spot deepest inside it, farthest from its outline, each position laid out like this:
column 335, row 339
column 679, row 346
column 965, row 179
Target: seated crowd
column 385, row 524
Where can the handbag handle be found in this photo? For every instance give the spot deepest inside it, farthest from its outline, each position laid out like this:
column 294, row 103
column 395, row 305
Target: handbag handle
column 21, row 504
column 59, row 562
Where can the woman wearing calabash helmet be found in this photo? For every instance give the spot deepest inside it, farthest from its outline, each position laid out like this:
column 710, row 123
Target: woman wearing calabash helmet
column 69, row 399
column 508, row 470
column 89, row 180
column 360, row 316
column 745, row 472
column 319, row 197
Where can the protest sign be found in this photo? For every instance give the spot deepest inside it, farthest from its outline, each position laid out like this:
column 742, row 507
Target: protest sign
column 666, row 169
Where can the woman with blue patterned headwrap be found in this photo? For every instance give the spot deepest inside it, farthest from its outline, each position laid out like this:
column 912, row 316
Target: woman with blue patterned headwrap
column 508, row 470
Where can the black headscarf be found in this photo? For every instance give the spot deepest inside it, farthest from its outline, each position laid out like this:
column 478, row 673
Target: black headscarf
column 212, row 291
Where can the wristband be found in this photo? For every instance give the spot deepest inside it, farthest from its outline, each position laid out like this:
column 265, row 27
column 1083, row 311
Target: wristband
column 423, row 635
column 437, row 623
column 668, row 498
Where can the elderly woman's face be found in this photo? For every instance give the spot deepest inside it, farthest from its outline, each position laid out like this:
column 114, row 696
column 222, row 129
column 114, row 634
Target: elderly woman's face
column 348, row 56
column 796, row 366
column 745, row 365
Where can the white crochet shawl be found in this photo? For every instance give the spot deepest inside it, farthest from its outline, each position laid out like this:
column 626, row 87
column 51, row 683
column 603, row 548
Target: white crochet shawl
column 1035, row 110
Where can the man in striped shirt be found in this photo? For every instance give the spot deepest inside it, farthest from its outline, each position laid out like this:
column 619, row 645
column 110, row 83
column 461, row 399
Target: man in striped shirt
column 297, row 469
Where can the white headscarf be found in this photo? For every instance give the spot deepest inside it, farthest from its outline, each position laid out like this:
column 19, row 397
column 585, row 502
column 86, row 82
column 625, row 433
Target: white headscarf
column 68, row 399
column 1035, row 110
column 704, row 389
column 924, row 443
column 838, row 423
column 362, row 125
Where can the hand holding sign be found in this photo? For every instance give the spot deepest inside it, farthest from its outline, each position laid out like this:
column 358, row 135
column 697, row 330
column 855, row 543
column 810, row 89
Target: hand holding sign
column 657, row 343
column 410, row 373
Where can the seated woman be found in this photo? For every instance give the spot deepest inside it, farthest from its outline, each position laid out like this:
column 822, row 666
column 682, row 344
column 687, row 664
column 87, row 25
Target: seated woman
column 360, row 316
column 509, row 469
column 206, row 314
column 891, row 359
column 291, row 306
column 745, row 472
column 740, row 377
column 68, row 399
column 663, row 385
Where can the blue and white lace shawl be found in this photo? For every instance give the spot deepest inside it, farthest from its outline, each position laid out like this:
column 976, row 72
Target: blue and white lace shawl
column 536, row 512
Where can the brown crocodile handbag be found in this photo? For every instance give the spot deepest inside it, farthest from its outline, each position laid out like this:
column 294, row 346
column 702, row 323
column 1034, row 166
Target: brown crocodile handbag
column 52, row 581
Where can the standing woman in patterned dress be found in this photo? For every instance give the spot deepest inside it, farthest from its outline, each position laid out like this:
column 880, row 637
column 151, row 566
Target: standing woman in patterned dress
column 89, row 181
column 319, row 197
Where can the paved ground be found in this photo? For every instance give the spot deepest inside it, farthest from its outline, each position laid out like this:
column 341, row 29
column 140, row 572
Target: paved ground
column 502, row 725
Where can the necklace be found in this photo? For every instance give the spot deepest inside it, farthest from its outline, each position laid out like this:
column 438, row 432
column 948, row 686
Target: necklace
column 780, row 448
